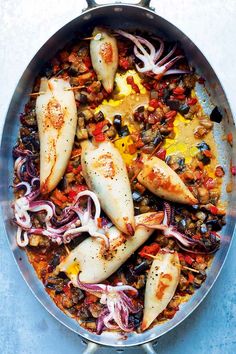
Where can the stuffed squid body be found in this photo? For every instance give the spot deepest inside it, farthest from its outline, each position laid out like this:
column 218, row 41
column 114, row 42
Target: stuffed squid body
column 162, row 181
column 161, row 284
column 104, row 56
column 89, row 260
column 105, row 173
column 57, row 119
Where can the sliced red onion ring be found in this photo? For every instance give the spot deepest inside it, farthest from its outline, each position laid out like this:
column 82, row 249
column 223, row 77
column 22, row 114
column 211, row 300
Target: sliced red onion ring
column 78, row 220
column 117, row 304
column 21, row 239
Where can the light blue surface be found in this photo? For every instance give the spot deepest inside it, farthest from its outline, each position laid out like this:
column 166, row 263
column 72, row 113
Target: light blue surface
column 25, row 326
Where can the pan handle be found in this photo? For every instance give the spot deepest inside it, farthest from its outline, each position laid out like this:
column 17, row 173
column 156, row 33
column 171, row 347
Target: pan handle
column 148, row 348
column 91, row 347
column 143, row 3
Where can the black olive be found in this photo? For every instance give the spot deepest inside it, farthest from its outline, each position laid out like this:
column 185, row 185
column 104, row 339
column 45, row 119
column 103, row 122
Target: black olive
column 173, row 104
column 196, row 285
column 157, row 139
column 203, row 229
column 84, row 313
column 140, row 268
column 62, row 184
column 203, row 146
column 55, row 260
column 166, row 94
column 181, row 163
column 117, row 122
column 140, row 109
column 136, row 319
column 203, row 158
column 215, row 115
column 137, row 196
column 99, row 116
column 124, row 131
column 83, row 99
column 29, row 119
column 215, row 224
column 184, row 108
column 182, row 225
column 72, row 72
column 48, row 72
column 130, row 276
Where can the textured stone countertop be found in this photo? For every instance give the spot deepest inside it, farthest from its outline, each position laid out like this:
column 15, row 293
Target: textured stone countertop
column 25, row 326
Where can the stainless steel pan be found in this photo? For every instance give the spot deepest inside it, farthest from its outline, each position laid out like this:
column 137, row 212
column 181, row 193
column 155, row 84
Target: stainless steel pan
column 127, row 17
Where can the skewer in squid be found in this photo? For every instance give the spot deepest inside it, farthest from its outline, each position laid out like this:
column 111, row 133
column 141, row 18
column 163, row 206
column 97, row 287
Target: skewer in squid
column 162, row 181
column 57, row 118
column 93, row 265
column 105, row 173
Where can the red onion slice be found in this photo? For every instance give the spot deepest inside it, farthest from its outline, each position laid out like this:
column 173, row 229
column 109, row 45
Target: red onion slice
column 117, row 305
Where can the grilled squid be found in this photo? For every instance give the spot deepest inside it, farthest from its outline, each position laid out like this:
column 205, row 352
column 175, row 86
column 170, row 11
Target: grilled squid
column 57, row 118
column 105, row 173
column 104, row 56
column 88, row 258
column 162, row 281
column 162, row 181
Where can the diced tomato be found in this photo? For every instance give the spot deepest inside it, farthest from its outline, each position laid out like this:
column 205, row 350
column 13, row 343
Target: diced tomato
column 207, row 153
column 161, row 154
column 178, row 90
column 59, row 195
column 233, row 170
column 76, row 152
column 181, row 257
column 90, row 298
column 77, row 170
column 170, row 114
column 180, row 97
column 97, row 132
column 67, row 291
column 139, row 143
column 56, row 201
column 132, row 149
column 200, row 259
column 189, row 260
column 190, row 277
column 99, row 222
column 80, row 188
column 100, row 137
column 214, row 210
column 152, row 249
column 210, row 183
column 192, row 101
column 124, row 63
column 154, row 103
column 230, row 138
column 72, row 194
column 55, row 68
column 201, row 80
column 147, row 86
column 130, row 81
column 140, row 187
column 219, row 172
column 69, row 168
column 87, row 62
column 197, row 237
